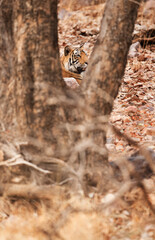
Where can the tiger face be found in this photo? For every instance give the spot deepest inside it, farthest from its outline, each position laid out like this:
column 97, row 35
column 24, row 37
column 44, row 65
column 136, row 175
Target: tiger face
column 75, row 60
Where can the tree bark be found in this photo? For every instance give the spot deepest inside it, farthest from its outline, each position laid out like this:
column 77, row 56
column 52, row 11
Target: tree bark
column 37, row 72
column 30, row 60
column 107, row 63
column 6, row 65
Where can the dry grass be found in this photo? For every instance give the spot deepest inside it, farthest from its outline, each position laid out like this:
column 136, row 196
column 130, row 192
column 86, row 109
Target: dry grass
column 77, row 217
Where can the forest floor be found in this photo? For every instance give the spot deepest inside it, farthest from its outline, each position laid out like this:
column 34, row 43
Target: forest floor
column 134, row 107
column 68, row 216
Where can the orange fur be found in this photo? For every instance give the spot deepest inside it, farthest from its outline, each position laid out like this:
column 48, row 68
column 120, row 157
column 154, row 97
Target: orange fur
column 81, row 60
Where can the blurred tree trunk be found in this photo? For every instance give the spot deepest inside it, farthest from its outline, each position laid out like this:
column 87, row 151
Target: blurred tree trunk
column 108, row 59
column 107, row 62
column 41, row 106
column 37, row 73
column 106, row 66
column 30, row 65
column 6, row 64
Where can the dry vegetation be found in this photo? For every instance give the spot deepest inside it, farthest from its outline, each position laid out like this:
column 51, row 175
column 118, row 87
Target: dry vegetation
column 127, row 210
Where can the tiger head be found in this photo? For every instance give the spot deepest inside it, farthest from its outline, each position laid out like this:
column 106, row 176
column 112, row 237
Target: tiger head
column 75, row 60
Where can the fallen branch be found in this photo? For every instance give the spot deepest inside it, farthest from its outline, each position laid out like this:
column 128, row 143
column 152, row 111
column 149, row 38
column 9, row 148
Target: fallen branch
column 18, row 160
column 30, row 191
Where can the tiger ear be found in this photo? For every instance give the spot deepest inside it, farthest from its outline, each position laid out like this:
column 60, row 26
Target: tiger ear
column 67, row 50
column 81, row 45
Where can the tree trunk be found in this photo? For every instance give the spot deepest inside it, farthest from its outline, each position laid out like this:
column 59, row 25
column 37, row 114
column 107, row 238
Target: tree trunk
column 6, row 65
column 107, row 63
column 37, row 72
column 31, row 64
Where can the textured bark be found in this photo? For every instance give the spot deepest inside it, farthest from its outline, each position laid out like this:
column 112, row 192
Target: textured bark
column 30, row 73
column 37, row 62
column 30, row 60
column 6, row 65
column 107, row 62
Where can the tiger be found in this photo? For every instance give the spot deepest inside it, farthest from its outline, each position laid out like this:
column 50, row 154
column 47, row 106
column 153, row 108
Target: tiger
column 74, row 62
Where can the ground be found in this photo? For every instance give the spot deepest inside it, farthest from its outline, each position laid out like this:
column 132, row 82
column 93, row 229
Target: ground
column 113, row 215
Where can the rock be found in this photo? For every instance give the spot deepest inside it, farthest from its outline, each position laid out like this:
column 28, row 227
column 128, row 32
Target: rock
column 131, row 109
column 150, row 131
column 133, row 51
column 63, row 13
